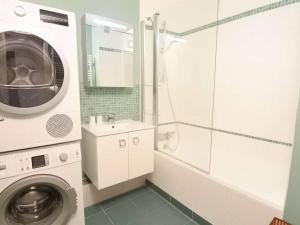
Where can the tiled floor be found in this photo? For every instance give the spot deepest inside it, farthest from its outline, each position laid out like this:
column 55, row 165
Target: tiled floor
column 139, row 207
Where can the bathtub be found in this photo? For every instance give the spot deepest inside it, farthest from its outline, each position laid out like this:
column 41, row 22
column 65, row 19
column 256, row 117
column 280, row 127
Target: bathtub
column 238, row 181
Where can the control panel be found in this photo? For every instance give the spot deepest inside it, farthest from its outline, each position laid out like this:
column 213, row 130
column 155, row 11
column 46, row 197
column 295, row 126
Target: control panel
column 27, row 161
column 17, row 12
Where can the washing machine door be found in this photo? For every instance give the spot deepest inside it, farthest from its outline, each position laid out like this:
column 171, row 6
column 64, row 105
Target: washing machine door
column 38, row 200
column 33, row 75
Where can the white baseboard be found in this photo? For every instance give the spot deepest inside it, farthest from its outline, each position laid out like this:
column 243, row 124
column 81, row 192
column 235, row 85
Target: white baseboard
column 91, row 195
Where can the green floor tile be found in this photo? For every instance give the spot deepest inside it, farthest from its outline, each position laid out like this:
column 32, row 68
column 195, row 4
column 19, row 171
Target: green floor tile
column 137, row 192
column 168, row 215
column 142, row 206
column 123, row 213
column 97, row 219
column 148, row 201
column 193, row 223
column 143, row 220
column 113, row 201
column 89, row 211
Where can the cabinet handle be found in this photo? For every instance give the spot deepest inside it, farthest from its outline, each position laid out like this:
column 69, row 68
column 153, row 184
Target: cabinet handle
column 122, row 143
column 135, row 140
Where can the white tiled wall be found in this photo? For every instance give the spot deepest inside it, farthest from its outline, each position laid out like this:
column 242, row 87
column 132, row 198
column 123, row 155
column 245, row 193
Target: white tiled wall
column 192, row 73
column 148, row 91
column 229, row 8
column 148, row 56
column 257, row 79
column 193, row 146
column 181, row 15
column 256, row 93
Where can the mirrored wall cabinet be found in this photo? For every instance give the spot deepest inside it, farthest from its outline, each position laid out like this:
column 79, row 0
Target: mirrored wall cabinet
column 109, row 52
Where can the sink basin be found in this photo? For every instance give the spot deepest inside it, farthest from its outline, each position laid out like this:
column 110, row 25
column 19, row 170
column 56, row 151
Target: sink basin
column 118, row 125
column 121, row 126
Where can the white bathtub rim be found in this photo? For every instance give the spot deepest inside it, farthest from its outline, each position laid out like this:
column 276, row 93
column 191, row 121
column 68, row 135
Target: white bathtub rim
column 204, row 173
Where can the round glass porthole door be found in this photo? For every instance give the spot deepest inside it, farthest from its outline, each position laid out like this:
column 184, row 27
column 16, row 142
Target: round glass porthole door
column 32, row 74
column 38, row 200
column 33, row 205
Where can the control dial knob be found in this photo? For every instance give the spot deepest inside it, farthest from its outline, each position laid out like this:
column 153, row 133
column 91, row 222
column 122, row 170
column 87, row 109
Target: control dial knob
column 20, row 11
column 63, row 157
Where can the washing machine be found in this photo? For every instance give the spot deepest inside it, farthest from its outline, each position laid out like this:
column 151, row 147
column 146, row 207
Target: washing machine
column 42, row 186
column 39, row 85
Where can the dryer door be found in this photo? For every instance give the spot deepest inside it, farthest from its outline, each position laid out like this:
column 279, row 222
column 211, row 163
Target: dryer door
column 33, row 77
column 40, row 199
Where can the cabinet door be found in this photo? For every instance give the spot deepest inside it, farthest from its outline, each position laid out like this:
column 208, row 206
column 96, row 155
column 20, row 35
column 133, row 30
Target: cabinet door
column 141, row 153
column 112, row 160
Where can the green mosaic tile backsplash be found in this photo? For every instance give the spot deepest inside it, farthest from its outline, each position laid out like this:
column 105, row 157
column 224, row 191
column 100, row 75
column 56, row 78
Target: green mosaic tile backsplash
column 124, row 102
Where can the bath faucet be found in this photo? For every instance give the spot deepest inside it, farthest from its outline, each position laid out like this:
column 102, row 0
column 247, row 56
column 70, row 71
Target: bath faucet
column 111, row 118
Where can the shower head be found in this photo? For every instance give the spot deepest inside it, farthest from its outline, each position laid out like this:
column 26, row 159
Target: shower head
column 149, row 19
column 171, row 39
column 175, row 38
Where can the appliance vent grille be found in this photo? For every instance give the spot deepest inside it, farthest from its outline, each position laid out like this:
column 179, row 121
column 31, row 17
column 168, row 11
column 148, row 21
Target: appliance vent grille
column 59, row 125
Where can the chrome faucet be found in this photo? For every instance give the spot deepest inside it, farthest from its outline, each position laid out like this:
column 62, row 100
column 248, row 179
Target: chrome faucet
column 111, row 118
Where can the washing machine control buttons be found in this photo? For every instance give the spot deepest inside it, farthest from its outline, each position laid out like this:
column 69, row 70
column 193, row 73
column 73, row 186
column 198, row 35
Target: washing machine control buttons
column 20, row 11
column 63, row 157
column 24, row 163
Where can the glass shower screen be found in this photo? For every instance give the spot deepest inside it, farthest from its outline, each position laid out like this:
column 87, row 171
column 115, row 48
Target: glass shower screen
column 179, row 70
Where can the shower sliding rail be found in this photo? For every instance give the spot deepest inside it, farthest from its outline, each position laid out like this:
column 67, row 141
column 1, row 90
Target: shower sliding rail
column 142, row 79
column 156, row 32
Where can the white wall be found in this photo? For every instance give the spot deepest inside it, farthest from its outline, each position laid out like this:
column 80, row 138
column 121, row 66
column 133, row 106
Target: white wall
column 257, row 80
column 181, row 15
column 92, row 196
column 256, row 93
column 233, row 7
column 193, row 145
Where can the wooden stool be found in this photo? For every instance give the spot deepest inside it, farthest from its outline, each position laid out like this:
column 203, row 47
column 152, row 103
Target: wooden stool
column 277, row 221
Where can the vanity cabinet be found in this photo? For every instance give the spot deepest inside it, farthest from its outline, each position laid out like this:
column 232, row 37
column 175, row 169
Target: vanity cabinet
column 141, row 155
column 112, row 158
column 115, row 158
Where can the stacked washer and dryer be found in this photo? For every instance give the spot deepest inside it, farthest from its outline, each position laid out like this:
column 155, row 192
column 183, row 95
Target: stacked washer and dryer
column 40, row 131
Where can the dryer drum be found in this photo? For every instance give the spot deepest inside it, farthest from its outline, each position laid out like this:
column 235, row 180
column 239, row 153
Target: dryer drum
column 31, row 71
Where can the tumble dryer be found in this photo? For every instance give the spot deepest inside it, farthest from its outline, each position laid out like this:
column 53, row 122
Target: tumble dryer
column 39, row 85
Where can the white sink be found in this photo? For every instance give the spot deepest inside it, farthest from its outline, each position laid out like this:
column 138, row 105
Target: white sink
column 121, row 126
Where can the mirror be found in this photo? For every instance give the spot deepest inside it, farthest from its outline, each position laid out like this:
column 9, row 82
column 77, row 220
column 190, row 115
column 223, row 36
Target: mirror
column 109, row 52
